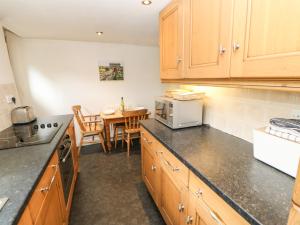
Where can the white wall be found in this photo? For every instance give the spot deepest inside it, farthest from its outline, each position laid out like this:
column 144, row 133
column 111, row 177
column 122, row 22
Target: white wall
column 7, row 84
column 6, row 75
column 54, row 75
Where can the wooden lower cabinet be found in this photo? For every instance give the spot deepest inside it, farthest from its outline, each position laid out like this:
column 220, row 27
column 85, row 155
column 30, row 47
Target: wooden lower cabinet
column 52, row 211
column 26, row 218
column 180, row 195
column 165, row 180
column 207, row 208
column 151, row 172
column 173, row 205
column 47, row 205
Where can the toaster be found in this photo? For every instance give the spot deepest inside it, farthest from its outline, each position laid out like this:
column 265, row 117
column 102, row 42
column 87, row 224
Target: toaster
column 22, row 115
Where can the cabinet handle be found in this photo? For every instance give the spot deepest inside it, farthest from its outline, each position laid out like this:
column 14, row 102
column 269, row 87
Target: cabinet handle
column 174, row 169
column 179, row 59
column 46, row 189
column 236, row 46
column 222, row 50
column 180, row 207
column 149, row 142
column 189, row 220
column 153, row 168
column 215, row 217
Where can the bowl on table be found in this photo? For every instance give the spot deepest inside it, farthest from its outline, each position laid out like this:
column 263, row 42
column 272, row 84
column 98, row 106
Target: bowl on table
column 109, row 111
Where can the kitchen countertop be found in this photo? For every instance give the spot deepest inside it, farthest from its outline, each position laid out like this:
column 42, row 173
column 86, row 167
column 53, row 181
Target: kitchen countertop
column 21, row 169
column 258, row 192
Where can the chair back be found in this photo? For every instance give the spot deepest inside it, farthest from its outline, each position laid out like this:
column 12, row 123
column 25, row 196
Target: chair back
column 79, row 117
column 133, row 118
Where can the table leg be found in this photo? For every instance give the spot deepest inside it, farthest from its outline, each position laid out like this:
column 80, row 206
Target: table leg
column 107, row 134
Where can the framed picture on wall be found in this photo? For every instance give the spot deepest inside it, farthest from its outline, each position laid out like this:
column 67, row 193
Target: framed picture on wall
column 111, row 71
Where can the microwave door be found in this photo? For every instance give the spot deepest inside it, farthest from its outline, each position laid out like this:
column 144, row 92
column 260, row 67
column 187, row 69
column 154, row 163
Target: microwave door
column 161, row 111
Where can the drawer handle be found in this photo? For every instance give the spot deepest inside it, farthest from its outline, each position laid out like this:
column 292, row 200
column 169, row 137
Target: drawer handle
column 46, row 189
column 213, row 215
column 153, row 168
column 149, row 142
column 189, row 220
column 180, row 207
column 174, row 169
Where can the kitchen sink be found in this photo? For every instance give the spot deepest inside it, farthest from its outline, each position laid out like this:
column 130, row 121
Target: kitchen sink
column 2, row 202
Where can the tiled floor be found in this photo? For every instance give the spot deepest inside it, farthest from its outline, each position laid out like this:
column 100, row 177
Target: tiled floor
column 110, row 191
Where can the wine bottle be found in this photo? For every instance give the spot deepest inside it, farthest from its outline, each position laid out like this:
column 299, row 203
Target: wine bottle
column 122, row 106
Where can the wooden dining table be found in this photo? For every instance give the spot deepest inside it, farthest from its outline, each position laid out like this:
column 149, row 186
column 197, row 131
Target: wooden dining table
column 109, row 120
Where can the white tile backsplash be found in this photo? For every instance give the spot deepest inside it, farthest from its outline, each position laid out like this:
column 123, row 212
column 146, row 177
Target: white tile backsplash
column 239, row 111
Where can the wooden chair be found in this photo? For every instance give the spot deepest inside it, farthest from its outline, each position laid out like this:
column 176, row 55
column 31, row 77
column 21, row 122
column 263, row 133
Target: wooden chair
column 90, row 126
column 117, row 135
column 132, row 125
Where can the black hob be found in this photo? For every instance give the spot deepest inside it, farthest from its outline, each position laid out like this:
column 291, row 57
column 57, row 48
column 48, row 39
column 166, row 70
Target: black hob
column 35, row 133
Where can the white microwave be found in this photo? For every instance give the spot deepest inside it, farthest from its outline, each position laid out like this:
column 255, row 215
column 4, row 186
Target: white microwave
column 178, row 114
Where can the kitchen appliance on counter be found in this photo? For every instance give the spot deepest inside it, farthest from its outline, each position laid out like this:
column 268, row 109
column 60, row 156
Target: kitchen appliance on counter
column 22, row 115
column 35, row 133
column 178, row 114
column 278, row 152
column 66, row 164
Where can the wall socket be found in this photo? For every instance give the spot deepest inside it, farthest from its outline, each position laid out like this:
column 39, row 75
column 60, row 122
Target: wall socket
column 295, row 114
column 9, row 99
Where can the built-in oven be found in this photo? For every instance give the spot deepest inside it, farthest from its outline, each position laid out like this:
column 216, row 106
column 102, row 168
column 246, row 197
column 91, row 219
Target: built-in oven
column 66, row 164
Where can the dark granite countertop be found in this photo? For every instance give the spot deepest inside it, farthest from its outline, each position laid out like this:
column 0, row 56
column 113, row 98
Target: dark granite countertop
column 258, row 192
column 21, row 169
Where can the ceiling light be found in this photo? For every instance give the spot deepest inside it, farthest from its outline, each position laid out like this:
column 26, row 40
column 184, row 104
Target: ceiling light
column 146, row 2
column 99, row 33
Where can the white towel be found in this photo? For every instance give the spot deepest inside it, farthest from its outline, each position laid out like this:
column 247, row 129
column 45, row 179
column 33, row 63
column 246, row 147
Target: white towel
column 280, row 133
column 285, row 130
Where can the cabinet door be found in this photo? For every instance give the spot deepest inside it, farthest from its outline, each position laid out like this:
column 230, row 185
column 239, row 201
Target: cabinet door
column 208, row 38
column 26, row 218
column 266, row 39
column 51, row 211
column 150, row 172
column 173, row 200
column 200, row 213
column 171, row 41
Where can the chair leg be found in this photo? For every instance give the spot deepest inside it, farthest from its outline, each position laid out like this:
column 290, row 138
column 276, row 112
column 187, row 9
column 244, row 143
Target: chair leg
column 80, row 145
column 123, row 137
column 128, row 144
column 102, row 141
column 116, row 137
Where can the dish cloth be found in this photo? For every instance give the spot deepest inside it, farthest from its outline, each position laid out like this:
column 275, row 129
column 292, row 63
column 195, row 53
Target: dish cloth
column 291, row 125
column 283, row 133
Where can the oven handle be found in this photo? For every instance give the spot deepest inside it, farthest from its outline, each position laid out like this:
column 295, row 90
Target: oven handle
column 46, row 189
column 67, row 155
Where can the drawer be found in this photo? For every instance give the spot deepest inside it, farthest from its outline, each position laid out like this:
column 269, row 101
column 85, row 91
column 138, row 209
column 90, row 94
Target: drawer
column 173, row 166
column 148, row 140
column 214, row 208
column 39, row 195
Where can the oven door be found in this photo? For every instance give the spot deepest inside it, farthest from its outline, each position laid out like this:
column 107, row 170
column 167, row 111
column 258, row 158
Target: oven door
column 164, row 112
column 67, row 169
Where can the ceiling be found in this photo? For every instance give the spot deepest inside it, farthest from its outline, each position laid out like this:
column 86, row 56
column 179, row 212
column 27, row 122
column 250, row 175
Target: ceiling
column 122, row 21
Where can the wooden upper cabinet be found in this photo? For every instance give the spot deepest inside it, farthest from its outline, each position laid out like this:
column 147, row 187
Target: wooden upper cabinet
column 268, row 35
column 171, row 41
column 208, row 38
